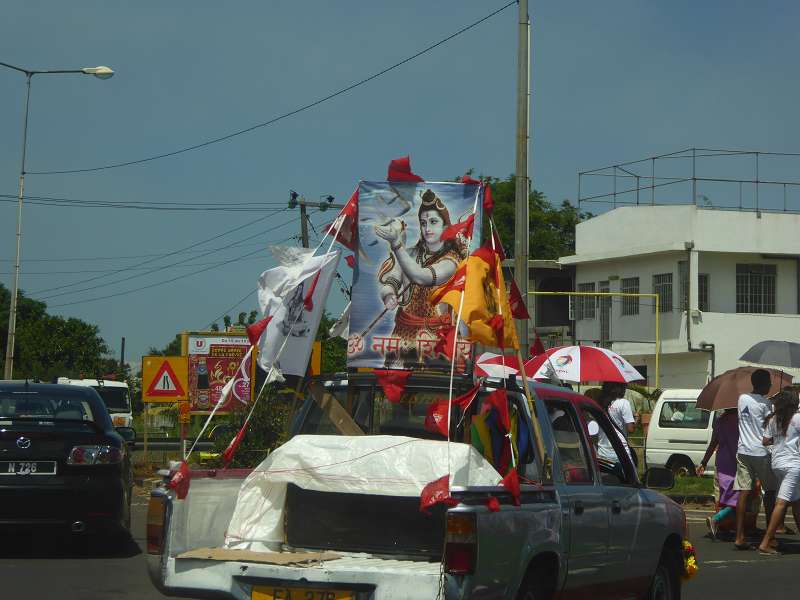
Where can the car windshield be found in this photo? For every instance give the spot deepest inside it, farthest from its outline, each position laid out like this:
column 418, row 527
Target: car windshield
column 116, row 399
column 32, row 406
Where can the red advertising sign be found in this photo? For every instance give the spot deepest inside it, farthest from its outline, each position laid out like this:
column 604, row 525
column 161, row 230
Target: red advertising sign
column 212, row 362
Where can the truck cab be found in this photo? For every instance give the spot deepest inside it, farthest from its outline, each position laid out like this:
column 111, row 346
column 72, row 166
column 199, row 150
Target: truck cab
column 115, row 394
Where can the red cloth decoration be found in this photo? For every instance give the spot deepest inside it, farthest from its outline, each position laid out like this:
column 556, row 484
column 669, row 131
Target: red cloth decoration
column 180, row 481
column 493, row 504
column 464, row 400
column 455, row 283
column 347, row 224
column 499, row 400
column 498, row 245
column 511, row 483
column 350, row 259
column 393, row 382
column 227, row 455
column 436, row 492
column 436, row 418
column 444, row 344
column 255, row 330
column 488, row 203
column 464, row 227
column 469, row 180
column 400, row 170
column 308, row 301
column 496, row 323
column 517, row 302
column 538, row 347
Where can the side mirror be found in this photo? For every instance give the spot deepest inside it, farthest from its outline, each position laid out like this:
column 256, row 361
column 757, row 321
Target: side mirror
column 128, row 434
column 659, row 478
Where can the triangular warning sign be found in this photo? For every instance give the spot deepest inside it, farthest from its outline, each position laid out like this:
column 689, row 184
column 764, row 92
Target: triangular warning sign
column 165, row 384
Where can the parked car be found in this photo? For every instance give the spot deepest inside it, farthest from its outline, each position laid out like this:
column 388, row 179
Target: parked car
column 679, row 433
column 62, row 463
column 590, row 529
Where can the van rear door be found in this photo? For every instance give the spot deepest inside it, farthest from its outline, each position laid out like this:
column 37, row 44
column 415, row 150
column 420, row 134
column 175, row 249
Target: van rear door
column 682, row 432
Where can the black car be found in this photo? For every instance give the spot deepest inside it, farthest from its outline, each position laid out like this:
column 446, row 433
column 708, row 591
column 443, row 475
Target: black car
column 62, row 463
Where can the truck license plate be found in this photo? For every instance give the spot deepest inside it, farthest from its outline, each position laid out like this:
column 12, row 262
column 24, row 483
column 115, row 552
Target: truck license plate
column 271, row 592
column 28, row 467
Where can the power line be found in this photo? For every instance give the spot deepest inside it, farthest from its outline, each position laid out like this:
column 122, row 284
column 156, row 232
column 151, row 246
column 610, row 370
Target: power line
column 235, row 306
column 142, row 205
column 168, row 254
column 85, row 271
column 284, row 115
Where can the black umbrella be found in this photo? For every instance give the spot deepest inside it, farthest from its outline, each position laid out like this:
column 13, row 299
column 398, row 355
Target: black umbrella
column 775, row 353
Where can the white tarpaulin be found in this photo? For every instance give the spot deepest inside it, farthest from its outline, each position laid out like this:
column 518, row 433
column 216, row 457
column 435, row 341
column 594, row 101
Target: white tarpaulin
column 384, row 465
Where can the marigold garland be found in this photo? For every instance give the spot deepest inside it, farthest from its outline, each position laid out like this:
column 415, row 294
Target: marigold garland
column 690, row 566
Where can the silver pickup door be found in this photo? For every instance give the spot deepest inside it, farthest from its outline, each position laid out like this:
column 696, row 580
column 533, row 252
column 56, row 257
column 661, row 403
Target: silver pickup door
column 585, row 507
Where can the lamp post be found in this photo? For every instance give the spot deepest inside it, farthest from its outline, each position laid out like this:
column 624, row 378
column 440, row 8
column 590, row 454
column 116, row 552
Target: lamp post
column 99, row 72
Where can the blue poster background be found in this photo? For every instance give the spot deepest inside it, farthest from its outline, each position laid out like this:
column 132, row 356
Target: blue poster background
column 403, row 265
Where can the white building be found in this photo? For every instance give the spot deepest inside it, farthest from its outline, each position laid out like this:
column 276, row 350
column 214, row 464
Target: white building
column 738, row 273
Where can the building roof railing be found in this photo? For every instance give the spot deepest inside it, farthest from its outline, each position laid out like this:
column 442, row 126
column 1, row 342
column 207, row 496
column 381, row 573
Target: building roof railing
column 705, row 177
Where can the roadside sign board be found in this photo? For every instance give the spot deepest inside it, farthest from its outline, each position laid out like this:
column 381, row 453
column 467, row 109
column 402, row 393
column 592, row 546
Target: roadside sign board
column 165, row 378
column 213, row 358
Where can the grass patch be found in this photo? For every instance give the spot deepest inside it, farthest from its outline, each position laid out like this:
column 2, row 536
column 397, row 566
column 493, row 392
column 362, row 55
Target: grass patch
column 693, row 486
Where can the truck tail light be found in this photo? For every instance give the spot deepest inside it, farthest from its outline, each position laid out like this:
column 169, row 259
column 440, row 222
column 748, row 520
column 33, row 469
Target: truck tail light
column 461, row 544
column 156, row 513
column 94, row 455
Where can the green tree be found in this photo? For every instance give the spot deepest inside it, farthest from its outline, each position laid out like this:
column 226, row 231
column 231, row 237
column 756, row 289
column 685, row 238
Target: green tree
column 334, row 349
column 49, row 346
column 172, row 349
column 552, row 228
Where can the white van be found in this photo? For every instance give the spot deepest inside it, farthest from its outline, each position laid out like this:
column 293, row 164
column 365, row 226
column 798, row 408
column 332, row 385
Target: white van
column 115, row 395
column 679, row 433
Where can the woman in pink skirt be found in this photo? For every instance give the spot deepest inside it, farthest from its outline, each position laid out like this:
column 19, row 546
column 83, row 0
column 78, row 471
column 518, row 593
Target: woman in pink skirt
column 724, row 440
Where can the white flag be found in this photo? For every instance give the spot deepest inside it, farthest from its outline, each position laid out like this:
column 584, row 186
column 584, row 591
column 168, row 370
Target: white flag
column 295, row 297
column 341, row 328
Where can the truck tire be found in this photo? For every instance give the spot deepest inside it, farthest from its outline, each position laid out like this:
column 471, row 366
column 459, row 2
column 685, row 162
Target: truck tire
column 538, row 583
column 666, row 584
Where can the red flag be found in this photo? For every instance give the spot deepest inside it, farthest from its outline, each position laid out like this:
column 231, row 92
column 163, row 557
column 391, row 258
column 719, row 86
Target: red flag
column 180, row 481
column 464, row 227
column 488, row 203
column 515, row 299
column 350, row 259
column 493, row 504
column 436, row 492
column 227, row 455
column 511, row 483
column 469, row 180
column 400, row 170
column 347, row 224
column 393, row 382
column 436, row 417
column 499, row 400
column 455, row 284
column 538, row 346
column 308, row 301
column 496, row 323
column 255, row 330
column 498, row 246
column 464, row 400
column 444, row 344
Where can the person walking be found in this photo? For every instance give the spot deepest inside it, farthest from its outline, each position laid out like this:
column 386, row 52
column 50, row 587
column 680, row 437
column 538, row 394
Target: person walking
column 782, row 432
column 612, row 400
column 724, row 441
column 752, row 458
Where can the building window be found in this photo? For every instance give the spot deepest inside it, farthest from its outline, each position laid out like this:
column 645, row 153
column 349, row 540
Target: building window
column 584, row 305
column 703, row 291
column 755, row 288
column 702, row 288
column 630, row 304
column 662, row 285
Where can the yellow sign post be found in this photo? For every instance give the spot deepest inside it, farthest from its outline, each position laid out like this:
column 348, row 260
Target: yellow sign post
column 165, row 378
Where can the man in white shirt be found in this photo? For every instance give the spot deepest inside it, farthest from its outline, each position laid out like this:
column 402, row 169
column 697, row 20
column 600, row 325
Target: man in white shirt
column 752, row 458
column 619, row 410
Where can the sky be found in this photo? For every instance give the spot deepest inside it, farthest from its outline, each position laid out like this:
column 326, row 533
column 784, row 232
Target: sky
column 611, row 81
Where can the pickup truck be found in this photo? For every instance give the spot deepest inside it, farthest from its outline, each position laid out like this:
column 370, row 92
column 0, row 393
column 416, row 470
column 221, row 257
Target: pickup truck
column 581, row 527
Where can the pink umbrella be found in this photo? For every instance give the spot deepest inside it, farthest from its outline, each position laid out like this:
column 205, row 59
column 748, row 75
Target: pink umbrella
column 490, row 364
column 580, row 364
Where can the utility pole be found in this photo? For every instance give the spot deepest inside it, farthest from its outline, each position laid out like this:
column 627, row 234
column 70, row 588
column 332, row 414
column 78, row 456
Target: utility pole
column 296, row 200
column 122, row 356
column 521, row 228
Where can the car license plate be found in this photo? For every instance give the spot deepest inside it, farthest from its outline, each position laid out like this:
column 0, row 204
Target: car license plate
column 271, row 592
column 39, row 467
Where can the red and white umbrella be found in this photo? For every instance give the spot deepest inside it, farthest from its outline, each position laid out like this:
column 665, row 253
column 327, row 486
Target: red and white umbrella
column 579, row 364
column 490, row 364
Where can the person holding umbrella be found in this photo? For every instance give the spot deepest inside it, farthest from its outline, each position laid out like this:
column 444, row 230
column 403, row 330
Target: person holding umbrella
column 752, row 457
column 783, row 434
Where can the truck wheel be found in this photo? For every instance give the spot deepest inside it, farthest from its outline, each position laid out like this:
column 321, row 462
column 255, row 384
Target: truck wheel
column 666, row 583
column 538, row 584
column 681, row 465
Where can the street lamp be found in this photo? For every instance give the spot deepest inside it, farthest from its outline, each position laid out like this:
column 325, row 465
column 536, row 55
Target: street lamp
column 100, row 72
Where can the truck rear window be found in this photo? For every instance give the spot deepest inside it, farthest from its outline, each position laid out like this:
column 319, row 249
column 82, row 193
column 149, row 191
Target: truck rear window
column 682, row 414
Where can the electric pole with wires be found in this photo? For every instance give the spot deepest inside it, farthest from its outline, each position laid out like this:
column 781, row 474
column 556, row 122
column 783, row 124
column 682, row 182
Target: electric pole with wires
column 296, row 200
